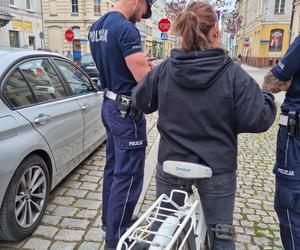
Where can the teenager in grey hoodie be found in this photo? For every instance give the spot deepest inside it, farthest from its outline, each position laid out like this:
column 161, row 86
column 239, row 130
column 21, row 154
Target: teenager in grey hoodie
column 204, row 101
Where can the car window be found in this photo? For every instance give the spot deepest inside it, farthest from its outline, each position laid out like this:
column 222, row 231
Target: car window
column 78, row 82
column 17, row 92
column 43, row 80
column 87, row 59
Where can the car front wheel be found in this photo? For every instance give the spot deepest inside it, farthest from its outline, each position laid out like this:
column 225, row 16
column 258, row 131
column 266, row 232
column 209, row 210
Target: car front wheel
column 25, row 200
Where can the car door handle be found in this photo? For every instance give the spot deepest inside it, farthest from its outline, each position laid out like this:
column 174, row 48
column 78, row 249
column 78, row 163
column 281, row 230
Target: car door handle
column 84, row 106
column 42, row 119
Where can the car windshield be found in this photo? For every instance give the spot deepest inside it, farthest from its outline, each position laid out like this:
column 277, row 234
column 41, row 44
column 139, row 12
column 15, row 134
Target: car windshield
column 87, row 59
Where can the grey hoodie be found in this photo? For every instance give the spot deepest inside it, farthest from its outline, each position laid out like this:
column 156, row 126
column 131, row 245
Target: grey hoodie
column 204, row 101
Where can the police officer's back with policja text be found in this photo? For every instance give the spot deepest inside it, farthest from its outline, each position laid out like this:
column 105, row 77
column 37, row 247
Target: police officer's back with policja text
column 117, row 51
column 285, row 76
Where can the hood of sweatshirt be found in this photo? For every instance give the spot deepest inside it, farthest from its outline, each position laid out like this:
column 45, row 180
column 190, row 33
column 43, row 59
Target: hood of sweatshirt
column 196, row 69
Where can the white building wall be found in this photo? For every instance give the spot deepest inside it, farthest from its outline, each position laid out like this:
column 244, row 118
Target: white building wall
column 20, row 13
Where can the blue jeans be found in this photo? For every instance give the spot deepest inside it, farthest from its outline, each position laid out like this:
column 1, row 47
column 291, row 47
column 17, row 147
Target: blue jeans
column 124, row 169
column 217, row 196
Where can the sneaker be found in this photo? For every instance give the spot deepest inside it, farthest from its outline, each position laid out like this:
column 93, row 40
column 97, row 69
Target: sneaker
column 134, row 218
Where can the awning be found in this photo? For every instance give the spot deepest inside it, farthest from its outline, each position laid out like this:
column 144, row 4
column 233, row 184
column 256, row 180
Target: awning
column 5, row 18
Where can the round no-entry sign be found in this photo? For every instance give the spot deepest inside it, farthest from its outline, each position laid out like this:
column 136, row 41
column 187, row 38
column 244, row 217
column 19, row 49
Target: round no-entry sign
column 164, row 25
column 69, row 35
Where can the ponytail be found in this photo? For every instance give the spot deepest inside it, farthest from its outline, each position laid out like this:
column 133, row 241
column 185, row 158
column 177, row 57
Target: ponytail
column 193, row 25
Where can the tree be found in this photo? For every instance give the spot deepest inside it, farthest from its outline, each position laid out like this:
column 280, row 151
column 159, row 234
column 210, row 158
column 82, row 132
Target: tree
column 174, row 7
column 232, row 23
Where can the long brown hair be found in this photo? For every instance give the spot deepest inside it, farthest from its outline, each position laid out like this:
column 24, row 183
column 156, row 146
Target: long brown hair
column 193, row 25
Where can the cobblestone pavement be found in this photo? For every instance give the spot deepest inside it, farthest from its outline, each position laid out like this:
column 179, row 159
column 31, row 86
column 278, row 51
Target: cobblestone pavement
column 73, row 214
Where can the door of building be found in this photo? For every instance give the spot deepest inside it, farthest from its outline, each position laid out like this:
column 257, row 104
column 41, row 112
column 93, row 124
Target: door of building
column 14, row 38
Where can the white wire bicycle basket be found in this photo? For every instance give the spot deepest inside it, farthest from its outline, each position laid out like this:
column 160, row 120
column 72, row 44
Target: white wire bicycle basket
column 180, row 223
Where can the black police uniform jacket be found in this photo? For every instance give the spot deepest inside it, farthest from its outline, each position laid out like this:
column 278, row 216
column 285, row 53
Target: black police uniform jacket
column 204, row 101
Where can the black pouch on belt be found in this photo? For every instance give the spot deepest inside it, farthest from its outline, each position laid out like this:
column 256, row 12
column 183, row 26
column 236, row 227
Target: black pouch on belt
column 293, row 124
column 124, row 104
column 134, row 113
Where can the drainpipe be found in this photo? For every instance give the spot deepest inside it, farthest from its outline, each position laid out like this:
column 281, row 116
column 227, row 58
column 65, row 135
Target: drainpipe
column 245, row 26
column 43, row 28
column 292, row 20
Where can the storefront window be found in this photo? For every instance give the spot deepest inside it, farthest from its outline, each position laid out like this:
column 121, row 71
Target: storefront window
column 14, row 39
column 28, row 4
column 32, row 42
column 276, row 40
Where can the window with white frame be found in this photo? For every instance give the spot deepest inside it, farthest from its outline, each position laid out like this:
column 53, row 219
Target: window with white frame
column 12, row 2
column 74, row 6
column 97, row 6
column 279, row 6
column 28, row 5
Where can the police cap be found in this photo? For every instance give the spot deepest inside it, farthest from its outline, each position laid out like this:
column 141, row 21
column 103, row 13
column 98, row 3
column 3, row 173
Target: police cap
column 149, row 12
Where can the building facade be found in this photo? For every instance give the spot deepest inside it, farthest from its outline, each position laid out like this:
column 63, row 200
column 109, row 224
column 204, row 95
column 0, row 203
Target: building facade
column 158, row 12
column 296, row 20
column 43, row 24
column 265, row 33
column 227, row 41
column 23, row 24
column 5, row 17
column 77, row 15
column 149, row 39
column 142, row 27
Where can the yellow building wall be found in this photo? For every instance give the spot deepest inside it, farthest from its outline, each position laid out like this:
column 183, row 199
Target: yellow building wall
column 169, row 45
column 265, row 35
column 257, row 50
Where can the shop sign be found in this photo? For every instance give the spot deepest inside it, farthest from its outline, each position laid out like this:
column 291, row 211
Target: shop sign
column 20, row 25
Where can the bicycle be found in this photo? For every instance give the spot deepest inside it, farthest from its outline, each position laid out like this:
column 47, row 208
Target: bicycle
column 183, row 228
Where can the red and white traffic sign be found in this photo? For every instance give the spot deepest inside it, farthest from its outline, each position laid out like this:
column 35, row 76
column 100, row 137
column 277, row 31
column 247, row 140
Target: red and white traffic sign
column 164, row 25
column 69, row 35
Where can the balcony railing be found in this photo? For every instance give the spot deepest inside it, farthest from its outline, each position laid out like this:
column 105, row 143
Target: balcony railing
column 4, row 6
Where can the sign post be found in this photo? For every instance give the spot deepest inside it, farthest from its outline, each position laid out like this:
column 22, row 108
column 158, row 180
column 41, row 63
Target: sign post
column 69, row 35
column 42, row 37
column 164, row 36
column 164, row 26
column 246, row 42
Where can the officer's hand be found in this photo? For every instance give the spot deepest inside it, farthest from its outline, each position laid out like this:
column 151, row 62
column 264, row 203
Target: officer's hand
column 274, row 85
column 151, row 59
column 150, row 63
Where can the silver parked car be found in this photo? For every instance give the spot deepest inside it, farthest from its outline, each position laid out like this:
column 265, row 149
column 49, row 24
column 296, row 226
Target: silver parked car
column 49, row 122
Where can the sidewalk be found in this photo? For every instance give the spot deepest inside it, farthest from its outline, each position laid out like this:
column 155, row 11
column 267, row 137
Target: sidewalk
column 258, row 74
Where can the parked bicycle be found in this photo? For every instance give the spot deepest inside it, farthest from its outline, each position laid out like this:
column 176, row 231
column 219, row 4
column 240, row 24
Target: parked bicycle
column 179, row 227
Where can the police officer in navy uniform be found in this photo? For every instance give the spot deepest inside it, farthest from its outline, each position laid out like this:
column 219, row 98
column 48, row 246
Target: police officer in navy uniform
column 285, row 76
column 116, row 48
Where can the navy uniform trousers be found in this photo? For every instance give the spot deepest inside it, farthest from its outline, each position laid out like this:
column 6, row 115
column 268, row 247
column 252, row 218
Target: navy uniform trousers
column 287, row 191
column 124, row 169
